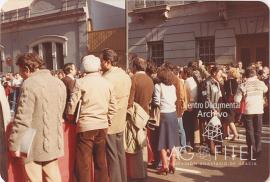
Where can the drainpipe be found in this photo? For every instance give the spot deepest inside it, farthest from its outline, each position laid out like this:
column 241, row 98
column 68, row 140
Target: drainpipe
column 126, row 19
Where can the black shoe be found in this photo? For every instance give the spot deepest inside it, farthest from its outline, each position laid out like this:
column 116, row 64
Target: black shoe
column 153, row 165
column 163, row 171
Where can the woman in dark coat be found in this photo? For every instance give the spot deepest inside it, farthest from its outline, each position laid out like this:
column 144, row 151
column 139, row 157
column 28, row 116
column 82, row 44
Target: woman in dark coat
column 230, row 88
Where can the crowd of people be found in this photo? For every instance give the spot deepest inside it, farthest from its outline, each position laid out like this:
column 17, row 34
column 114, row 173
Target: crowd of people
column 99, row 98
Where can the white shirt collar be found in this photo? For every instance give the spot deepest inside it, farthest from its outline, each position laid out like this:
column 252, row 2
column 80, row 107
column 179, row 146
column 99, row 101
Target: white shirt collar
column 141, row 72
column 252, row 78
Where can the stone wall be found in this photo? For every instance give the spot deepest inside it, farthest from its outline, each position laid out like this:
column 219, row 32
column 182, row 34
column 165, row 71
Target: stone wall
column 185, row 23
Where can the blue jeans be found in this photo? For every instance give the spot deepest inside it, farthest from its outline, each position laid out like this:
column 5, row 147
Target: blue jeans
column 182, row 134
column 253, row 125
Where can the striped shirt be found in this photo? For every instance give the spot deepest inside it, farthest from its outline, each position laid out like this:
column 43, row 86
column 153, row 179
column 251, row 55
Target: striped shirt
column 252, row 90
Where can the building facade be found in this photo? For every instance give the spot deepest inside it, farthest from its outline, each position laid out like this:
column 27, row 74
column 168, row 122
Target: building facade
column 107, row 14
column 180, row 32
column 55, row 29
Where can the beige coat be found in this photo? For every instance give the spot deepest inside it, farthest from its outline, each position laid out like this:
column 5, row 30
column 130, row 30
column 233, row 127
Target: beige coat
column 41, row 106
column 4, row 121
column 98, row 102
column 135, row 131
column 121, row 84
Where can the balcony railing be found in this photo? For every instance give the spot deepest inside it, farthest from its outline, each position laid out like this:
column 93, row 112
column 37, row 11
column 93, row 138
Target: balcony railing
column 23, row 13
column 152, row 3
column 148, row 3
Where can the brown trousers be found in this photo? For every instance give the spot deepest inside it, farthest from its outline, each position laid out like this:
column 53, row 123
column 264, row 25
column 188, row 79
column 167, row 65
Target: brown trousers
column 91, row 148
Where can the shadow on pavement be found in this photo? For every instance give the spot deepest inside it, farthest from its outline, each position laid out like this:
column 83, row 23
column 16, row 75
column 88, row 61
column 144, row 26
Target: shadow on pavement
column 247, row 172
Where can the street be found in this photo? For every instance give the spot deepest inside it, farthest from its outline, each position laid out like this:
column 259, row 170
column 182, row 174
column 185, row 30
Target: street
column 206, row 168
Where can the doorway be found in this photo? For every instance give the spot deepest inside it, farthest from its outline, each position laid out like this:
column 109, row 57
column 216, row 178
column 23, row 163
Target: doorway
column 252, row 48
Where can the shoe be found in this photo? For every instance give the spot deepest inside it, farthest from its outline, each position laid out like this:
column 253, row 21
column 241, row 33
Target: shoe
column 171, row 169
column 163, row 171
column 235, row 137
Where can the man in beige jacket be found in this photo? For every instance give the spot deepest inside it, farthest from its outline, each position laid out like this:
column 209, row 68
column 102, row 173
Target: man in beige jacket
column 121, row 82
column 98, row 107
column 5, row 118
column 41, row 105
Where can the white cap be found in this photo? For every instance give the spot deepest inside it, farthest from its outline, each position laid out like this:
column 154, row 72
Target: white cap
column 91, row 64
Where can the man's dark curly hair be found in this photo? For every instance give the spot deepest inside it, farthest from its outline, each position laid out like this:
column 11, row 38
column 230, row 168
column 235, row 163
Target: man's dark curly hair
column 30, row 61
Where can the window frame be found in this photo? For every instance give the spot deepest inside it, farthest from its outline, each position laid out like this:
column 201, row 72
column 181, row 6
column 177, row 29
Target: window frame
column 54, row 40
column 208, row 47
column 156, row 59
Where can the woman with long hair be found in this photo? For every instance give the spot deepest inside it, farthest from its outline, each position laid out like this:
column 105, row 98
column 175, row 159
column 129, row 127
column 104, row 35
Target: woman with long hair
column 165, row 98
column 230, row 88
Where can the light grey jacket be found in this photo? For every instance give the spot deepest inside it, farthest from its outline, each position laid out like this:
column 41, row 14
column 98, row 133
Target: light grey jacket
column 41, row 106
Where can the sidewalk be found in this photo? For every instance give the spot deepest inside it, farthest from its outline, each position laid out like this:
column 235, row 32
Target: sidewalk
column 207, row 168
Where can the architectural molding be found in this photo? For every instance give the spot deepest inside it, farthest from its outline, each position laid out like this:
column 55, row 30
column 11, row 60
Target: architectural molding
column 51, row 19
column 50, row 38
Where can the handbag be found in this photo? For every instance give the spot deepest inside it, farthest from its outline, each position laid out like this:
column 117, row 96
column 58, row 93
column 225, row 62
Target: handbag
column 242, row 105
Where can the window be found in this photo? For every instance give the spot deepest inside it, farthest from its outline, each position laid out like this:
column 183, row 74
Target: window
column 245, row 56
column 262, row 55
column 59, row 55
column 52, row 49
column 156, row 52
column 52, row 54
column 47, row 55
column 35, row 49
column 206, row 49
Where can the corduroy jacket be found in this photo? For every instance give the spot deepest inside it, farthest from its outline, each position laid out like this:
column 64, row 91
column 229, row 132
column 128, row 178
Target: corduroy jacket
column 141, row 91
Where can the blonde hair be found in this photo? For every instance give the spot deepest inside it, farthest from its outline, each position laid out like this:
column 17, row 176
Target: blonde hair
column 235, row 73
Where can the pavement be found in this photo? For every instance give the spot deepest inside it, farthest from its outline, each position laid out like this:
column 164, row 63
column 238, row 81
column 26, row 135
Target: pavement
column 230, row 166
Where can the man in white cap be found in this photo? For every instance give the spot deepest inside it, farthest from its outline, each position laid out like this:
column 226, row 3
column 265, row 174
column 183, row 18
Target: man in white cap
column 97, row 110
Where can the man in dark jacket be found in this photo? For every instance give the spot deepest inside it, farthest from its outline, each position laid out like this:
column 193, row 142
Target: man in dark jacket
column 69, row 80
column 141, row 92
